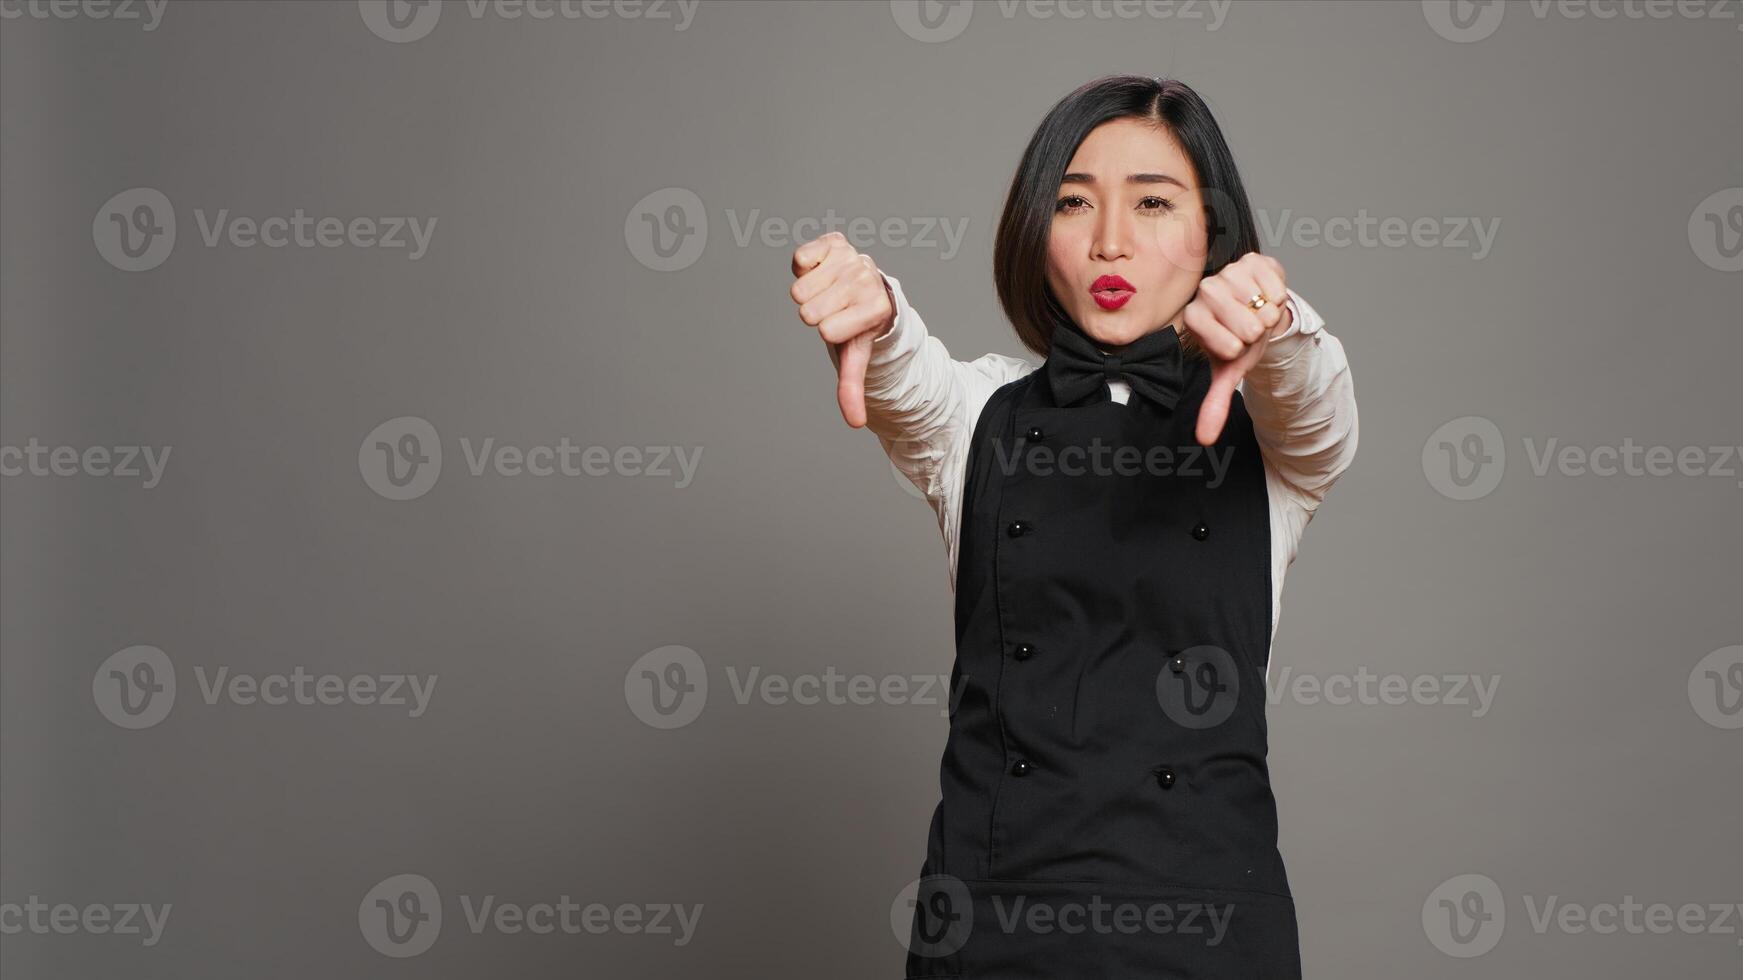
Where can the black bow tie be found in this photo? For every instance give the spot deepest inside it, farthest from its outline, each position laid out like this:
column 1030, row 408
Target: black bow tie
column 1077, row 370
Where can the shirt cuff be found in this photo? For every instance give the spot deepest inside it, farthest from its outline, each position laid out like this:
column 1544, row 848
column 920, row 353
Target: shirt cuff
column 894, row 289
column 1304, row 319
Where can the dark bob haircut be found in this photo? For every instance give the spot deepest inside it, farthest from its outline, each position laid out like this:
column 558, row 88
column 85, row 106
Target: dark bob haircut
column 1020, row 248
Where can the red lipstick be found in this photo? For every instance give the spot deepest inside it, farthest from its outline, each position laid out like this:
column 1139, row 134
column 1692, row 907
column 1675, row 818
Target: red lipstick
column 1111, row 292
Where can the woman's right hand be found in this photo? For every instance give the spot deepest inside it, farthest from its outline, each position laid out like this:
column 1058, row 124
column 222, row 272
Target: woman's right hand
column 841, row 292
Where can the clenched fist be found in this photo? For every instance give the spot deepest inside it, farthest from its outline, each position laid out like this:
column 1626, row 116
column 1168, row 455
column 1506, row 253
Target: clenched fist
column 1232, row 332
column 842, row 294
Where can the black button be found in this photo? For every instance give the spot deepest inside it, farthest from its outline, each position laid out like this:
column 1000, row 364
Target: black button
column 1177, row 665
column 1020, row 768
column 1025, row 651
column 1200, row 532
column 1034, row 433
column 1019, row 528
column 1165, row 777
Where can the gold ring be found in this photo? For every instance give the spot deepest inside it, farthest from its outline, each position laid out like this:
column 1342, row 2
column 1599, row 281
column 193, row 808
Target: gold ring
column 1257, row 302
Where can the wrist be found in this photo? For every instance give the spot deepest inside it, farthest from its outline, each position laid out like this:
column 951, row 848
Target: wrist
column 882, row 332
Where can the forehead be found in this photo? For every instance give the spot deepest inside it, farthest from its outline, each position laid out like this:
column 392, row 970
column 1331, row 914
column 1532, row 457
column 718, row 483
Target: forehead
column 1120, row 147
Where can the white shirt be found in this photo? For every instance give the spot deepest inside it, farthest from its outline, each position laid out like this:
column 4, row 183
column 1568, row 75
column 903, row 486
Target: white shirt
column 923, row 404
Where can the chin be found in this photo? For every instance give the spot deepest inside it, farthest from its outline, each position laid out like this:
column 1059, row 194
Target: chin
column 1115, row 328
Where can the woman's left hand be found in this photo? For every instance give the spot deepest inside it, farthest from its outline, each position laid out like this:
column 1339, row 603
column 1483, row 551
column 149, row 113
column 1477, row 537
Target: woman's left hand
column 1232, row 332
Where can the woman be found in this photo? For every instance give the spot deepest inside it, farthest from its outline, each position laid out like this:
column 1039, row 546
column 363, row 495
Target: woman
column 1118, row 521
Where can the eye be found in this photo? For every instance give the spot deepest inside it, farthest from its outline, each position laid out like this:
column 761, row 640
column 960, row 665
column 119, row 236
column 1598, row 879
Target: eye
column 1156, row 204
column 1065, row 203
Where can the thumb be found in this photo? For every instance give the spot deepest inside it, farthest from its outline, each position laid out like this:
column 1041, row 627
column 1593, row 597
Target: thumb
column 850, row 384
column 1215, row 409
column 1213, row 414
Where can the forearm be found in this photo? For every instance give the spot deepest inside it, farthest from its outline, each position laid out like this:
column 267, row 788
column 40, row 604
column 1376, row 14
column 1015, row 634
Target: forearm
column 1301, row 398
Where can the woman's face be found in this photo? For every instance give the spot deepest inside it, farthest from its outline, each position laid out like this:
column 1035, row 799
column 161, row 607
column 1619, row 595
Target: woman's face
column 1127, row 207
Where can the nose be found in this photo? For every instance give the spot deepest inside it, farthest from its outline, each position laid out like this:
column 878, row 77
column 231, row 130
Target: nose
column 1113, row 236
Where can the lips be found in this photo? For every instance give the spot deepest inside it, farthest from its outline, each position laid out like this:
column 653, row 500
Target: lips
column 1111, row 292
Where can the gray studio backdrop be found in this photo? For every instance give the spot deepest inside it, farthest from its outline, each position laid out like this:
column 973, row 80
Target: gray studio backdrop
column 431, row 547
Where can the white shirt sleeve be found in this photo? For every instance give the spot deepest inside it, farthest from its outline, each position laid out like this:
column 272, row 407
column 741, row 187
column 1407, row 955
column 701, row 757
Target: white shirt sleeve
column 922, row 405
column 1303, row 405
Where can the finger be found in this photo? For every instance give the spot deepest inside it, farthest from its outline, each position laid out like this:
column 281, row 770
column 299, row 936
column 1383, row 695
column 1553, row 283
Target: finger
column 834, row 263
column 1214, row 337
column 858, row 283
column 828, row 303
column 1270, row 281
column 809, row 255
column 850, row 322
column 850, row 383
column 1227, row 294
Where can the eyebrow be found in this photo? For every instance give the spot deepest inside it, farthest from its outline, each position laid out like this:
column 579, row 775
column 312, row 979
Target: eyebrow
column 1080, row 178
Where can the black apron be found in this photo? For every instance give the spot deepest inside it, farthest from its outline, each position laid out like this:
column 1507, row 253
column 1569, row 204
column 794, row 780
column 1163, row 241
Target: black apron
column 1106, row 808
